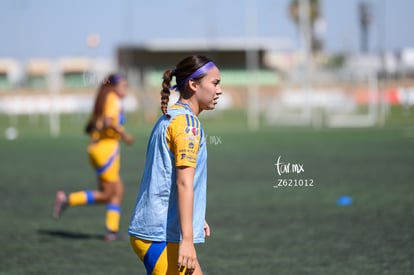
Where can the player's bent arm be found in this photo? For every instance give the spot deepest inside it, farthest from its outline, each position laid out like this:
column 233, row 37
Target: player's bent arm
column 185, row 178
column 118, row 129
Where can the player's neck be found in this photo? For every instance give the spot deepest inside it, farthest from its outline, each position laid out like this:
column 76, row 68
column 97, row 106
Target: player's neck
column 193, row 106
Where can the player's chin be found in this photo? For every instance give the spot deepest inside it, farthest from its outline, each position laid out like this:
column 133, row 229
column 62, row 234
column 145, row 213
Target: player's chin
column 213, row 104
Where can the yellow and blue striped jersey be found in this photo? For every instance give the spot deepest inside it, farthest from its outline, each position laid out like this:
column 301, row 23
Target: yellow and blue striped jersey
column 175, row 141
column 183, row 139
column 113, row 110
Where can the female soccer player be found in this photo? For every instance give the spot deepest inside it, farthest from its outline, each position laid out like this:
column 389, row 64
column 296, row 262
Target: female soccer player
column 106, row 129
column 169, row 215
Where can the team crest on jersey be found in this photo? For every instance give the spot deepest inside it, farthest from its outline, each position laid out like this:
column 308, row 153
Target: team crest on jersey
column 191, row 145
column 191, row 130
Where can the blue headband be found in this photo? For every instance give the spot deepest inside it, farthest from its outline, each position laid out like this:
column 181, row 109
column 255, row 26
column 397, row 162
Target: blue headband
column 200, row 71
column 115, row 78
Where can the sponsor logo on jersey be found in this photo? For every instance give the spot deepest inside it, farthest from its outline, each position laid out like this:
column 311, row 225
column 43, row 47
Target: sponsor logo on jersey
column 191, row 130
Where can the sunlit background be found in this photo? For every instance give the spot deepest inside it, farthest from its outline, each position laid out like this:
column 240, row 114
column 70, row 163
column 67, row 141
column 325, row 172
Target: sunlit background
column 325, row 85
column 322, row 63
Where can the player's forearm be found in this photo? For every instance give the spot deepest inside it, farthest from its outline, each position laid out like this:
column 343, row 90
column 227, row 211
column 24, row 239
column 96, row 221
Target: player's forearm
column 116, row 127
column 109, row 124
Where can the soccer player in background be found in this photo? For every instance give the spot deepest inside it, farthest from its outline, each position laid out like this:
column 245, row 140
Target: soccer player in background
column 169, row 215
column 106, row 129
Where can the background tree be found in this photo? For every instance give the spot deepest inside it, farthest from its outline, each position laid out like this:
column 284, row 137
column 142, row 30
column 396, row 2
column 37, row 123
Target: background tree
column 316, row 42
column 365, row 19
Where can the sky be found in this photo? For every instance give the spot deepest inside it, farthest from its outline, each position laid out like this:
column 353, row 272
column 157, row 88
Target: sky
column 52, row 29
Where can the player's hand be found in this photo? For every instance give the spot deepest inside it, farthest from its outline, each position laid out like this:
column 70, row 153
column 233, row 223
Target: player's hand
column 128, row 139
column 206, row 229
column 187, row 257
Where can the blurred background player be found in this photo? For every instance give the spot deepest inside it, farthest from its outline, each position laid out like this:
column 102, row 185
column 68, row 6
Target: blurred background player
column 105, row 128
column 169, row 216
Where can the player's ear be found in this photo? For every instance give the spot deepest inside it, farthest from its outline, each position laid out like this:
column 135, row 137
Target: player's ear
column 192, row 84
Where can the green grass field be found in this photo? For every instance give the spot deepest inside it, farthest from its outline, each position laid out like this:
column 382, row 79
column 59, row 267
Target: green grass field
column 256, row 228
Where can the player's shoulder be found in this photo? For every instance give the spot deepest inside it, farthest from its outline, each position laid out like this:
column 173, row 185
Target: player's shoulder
column 186, row 119
column 186, row 124
column 112, row 96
